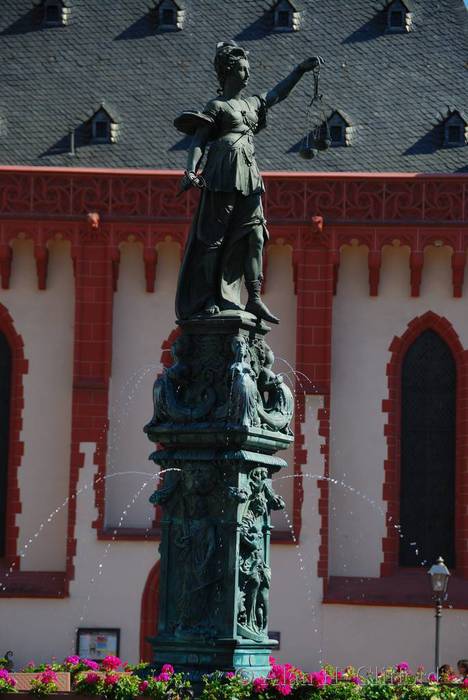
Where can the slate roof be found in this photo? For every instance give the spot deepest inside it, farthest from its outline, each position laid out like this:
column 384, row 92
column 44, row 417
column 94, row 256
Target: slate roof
column 395, row 88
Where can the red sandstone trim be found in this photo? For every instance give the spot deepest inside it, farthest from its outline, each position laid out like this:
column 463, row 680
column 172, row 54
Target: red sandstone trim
column 149, row 612
column 404, row 589
column 91, row 372
column 315, row 281
column 323, row 417
column 392, row 407
column 33, row 584
column 19, row 367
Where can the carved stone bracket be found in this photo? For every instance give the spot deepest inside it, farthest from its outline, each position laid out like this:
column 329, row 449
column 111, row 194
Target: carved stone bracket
column 416, row 268
column 41, row 255
column 374, row 262
column 150, row 259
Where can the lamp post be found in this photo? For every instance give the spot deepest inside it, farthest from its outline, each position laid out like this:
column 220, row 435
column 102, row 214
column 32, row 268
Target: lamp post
column 439, row 581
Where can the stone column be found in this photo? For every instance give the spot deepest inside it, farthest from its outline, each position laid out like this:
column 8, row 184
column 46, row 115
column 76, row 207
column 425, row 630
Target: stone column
column 220, row 415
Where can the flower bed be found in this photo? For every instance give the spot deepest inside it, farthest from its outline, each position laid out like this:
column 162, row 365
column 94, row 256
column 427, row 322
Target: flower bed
column 113, row 681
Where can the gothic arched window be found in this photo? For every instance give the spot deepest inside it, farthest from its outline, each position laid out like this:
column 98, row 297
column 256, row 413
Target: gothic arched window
column 5, row 385
column 427, row 505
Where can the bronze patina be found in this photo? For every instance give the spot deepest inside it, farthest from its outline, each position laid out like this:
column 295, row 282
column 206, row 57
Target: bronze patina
column 221, row 413
column 229, row 230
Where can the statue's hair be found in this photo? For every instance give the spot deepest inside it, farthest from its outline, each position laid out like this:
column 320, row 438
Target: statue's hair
column 228, row 54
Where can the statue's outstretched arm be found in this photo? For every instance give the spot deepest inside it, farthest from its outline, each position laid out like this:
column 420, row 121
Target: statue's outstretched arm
column 282, row 90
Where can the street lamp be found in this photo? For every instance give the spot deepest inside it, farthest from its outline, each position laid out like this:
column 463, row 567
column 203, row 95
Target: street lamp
column 439, row 581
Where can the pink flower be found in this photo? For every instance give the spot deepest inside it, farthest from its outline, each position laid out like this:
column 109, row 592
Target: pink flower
column 465, row 682
column 271, row 660
column 432, row 678
column 143, row 686
column 260, row 684
column 356, row 680
column 319, row 679
column 284, row 689
column 47, row 676
column 167, row 668
column 9, row 680
column 230, row 674
column 403, row 666
column 91, row 664
column 92, row 677
column 163, row 677
column 111, row 663
column 72, row 660
column 111, row 679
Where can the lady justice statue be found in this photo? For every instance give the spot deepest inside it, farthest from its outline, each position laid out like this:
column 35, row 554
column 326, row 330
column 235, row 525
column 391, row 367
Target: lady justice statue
column 228, row 231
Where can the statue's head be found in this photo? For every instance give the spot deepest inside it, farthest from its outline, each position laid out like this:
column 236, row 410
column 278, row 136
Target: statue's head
column 231, row 62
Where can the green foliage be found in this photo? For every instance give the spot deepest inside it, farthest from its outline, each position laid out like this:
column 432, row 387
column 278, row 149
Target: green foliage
column 41, row 688
column 88, row 683
column 340, row 691
column 376, row 690
column 451, row 692
column 218, row 686
column 127, row 687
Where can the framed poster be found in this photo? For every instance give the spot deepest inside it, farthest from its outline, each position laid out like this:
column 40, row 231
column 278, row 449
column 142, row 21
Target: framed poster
column 97, row 642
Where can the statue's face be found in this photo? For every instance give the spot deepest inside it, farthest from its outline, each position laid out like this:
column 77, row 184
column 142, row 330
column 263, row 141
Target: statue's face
column 241, row 72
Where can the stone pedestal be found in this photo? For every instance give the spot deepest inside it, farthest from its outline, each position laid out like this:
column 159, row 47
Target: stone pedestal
column 220, row 415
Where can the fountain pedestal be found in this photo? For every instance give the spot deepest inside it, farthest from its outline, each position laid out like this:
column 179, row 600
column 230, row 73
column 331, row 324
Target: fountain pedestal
column 220, row 415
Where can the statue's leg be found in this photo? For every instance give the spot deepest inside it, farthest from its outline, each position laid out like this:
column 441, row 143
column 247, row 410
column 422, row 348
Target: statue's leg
column 253, row 276
column 210, row 267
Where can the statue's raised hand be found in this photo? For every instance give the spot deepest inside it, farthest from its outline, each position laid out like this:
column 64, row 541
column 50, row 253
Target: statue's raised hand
column 311, row 63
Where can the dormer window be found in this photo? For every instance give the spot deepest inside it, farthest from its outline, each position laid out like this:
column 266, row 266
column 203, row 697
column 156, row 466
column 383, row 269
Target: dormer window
column 337, row 134
column 169, row 15
column 51, row 13
column 455, row 130
column 396, row 19
column 399, row 16
column 286, row 17
column 103, row 127
column 339, row 130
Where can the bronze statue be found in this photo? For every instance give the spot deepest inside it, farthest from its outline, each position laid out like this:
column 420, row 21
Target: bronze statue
column 229, row 230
